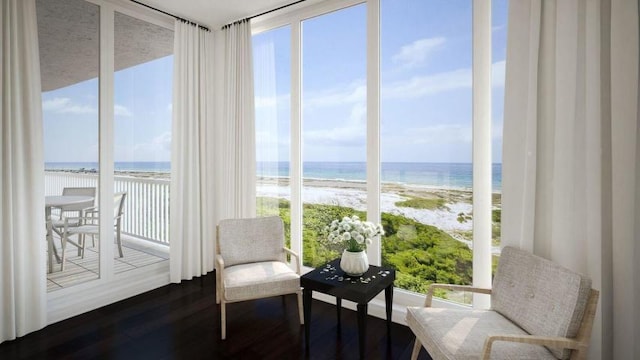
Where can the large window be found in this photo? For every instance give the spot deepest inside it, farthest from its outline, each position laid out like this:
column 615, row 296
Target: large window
column 272, row 73
column 142, row 140
column 68, row 33
column 333, row 125
column 426, row 141
column 91, row 124
column 385, row 131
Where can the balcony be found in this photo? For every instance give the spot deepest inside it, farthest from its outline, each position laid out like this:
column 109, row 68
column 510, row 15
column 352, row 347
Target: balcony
column 145, row 226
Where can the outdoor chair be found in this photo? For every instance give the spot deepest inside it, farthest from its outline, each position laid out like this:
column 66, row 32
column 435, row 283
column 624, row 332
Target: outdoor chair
column 75, row 210
column 90, row 226
column 539, row 310
column 251, row 263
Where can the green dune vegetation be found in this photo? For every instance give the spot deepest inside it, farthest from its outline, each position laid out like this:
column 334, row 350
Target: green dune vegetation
column 421, row 254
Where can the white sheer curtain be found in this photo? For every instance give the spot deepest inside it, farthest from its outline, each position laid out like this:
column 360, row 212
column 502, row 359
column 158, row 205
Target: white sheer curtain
column 237, row 175
column 192, row 223
column 22, row 243
column 571, row 152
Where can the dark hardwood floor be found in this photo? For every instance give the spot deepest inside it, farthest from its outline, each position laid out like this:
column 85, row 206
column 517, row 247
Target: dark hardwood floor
column 181, row 321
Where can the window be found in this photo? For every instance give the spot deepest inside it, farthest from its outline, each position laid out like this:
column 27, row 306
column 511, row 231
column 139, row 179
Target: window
column 272, row 78
column 422, row 155
column 426, row 142
column 69, row 73
column 87, row 130
column 333, row 125
column 142, row 140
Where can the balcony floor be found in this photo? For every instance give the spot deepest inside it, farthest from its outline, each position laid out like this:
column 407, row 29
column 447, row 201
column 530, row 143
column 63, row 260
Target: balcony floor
column 137, row 253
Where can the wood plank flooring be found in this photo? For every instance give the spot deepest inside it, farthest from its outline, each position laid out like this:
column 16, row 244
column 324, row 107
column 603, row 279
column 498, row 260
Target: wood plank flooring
column 79, row 270
column 181, row 321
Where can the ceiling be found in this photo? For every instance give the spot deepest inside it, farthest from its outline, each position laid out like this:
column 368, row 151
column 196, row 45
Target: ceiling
column 69, row 35
column 216, row 13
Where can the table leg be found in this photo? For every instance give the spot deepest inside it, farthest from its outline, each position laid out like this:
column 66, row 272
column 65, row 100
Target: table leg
column 362, row 327
column 306, row 304
column 388, row 299
column 339, row 309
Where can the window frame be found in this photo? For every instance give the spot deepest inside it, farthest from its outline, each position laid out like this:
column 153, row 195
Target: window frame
column 481, row 122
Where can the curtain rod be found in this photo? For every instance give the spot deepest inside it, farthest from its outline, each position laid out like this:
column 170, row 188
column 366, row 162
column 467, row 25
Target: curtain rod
column 264, row 13
column 172, row 15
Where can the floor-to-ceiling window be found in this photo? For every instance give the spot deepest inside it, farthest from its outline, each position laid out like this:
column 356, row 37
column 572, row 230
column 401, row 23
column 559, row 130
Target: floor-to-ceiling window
column 417, row 135
column 68, row 32
column 143, row 76
column 426, row 141
column 499, row 54
column 272, row 73
column 107, row 88
column 333, row 125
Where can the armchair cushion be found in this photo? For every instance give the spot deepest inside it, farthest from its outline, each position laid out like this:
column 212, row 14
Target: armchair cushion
column 243, row 241
column 460, row 334
column 259, row 280
column 540, row 296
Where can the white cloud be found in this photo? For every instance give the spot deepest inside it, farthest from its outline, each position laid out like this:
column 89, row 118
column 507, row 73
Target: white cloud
column 419, row 86
column 157, row 149
column 411, row 88
column 498, row 73
column 66, row 106
column 350, row 94
column 441, row 134
column 119, row 110
column 353, row 133
column 499, row 27
column 170, row 107
column 416, row 53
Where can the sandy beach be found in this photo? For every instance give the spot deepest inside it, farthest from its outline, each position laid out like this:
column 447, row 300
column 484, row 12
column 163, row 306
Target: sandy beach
column 353, row 194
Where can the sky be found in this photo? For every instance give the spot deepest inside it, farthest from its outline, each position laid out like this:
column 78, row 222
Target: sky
column 426, row 103
column 425, row 91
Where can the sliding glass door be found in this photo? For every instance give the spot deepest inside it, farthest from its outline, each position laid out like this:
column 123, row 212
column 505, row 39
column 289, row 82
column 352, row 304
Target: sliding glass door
column 142, row 142
column 69, row 41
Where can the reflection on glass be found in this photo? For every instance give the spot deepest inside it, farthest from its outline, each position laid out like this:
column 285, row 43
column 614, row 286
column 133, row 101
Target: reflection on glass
column 272, row 82
column 333, row 125
column 69, row 54
column 142, row 128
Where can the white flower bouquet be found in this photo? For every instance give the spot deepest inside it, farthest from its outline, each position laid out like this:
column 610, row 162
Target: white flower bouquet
column 352, row 234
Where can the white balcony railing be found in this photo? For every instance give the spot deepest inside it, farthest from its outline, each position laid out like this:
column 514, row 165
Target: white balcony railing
column 146, row 209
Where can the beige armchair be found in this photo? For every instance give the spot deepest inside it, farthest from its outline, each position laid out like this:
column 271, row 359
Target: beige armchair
column 539, row 310
column 251, row 263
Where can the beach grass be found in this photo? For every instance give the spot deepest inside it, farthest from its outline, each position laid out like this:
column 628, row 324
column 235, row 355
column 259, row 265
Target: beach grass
column 424, row 203
column 422, row 254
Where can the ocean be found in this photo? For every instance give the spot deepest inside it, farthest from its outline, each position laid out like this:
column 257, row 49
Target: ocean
column 453, row 175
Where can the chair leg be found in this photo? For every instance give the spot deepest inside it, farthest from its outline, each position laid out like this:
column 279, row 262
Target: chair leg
column 119, row 241
column 416, row 350
column 63, row 256
column 82, row 241
column 223, row 320
column 218, row 286
column 300, row 308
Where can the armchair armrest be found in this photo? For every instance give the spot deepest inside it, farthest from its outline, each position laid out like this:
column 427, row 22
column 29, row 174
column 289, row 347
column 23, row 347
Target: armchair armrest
column 427, row 301
column 550, row 341
column 295, row 255
column 219, row 263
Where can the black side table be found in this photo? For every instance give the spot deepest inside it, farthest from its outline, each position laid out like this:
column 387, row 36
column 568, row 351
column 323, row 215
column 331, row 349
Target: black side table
column 330, row 279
